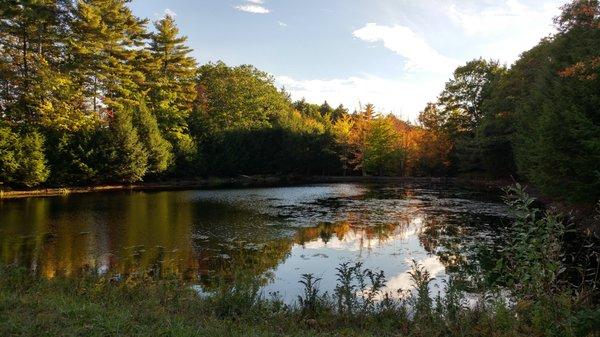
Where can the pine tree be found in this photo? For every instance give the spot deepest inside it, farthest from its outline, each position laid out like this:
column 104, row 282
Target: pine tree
column 105, row 42
column 32, row 161
column 171, row 80
column 22, row 159
column 9, row 161
column 127, row 157
column 32, row 39
column 159, row 150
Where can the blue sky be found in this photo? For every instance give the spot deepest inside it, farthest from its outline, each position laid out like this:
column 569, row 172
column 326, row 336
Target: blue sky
column 396, row 54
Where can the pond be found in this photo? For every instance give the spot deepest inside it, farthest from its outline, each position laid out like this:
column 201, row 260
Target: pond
column 213, row 236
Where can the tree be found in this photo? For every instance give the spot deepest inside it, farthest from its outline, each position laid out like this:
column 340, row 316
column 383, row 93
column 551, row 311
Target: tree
column 339, row 112
column 461, row 100
column 358, row 136
column 382, row 154
column 32, row 162
column 9, row 156
column 33, row 86
column 236, row 98
column 126, row 155
column 325, row 109
column 171, row 77
column 22, row 158
column 432, row 118
column 460, row 111
column 159, row 152
column 342, row 129
column 105, row 44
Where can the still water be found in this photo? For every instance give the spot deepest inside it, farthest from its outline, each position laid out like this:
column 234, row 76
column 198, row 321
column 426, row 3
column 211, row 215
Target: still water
column 277, row 234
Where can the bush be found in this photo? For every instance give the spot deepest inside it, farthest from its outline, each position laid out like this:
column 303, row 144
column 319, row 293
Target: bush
column 22, row 158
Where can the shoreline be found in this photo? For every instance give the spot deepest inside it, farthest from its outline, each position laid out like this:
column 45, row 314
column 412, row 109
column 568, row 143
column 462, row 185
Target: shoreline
column 242, row 182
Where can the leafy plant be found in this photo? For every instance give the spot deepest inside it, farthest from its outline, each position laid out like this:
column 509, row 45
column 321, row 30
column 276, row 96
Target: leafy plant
column 532, row 258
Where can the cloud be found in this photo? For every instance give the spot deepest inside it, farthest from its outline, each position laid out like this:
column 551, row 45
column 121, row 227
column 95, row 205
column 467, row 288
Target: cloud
column 406, row 43
column 282, row 24
column 253, row 8
column 504, row 30
column 170, row 13
column 256, row 1
column 404, row 97
column 404, row 281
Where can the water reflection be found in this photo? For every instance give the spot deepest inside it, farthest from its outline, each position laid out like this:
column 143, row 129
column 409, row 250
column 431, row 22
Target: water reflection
column 279, row 233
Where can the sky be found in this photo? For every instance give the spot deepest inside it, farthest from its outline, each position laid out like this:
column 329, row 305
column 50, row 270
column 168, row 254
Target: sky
column 395, row 54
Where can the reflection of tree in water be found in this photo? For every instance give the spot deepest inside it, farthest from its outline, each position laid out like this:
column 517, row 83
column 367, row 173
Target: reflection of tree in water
column 240, row 258
column 167, row 234
column 464, row 243
column 156, row 234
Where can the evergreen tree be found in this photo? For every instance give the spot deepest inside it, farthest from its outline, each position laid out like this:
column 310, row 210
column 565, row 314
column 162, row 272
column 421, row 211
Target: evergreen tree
column 160, row 156
column 339, row 112
column 32, row 37
column 127, row 157
column 171, row 78
column 9, row 156
column 325, row 109
column 105, row 42
column 557, row 141
column 22, row 158
column 32, row 161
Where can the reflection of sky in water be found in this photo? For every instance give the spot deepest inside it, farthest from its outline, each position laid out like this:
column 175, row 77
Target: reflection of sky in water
column 286, row 231
column 393, row 255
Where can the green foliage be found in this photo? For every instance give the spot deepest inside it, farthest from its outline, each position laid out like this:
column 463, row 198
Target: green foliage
column 556, row 143
column 67, row 68
column 159, row 150
column 22, row 158
column 463, row 97
column 9, row 163
column 32, row 169
column 532, row 258
column 76, row 156
column 103, row 51
column 423, row 303
column 236, row 98
column 382, row 154
column 171, row 79
column 138, row 305
column 311, row 303
column 126, row 156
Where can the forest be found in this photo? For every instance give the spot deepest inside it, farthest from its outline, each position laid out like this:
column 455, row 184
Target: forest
column 91, row 94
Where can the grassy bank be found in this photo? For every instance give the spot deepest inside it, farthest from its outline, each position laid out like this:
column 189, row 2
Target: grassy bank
column 92, row 306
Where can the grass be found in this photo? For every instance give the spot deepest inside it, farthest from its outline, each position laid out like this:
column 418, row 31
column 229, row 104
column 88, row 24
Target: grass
column 138, row 306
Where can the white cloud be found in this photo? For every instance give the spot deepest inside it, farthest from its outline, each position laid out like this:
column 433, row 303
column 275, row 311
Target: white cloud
column 504, row 30
column 253, row 8
column 406, row 43
column 404, row 281
column 256, row 1
column 282, row 24
column 170, row 13
column 404, row 97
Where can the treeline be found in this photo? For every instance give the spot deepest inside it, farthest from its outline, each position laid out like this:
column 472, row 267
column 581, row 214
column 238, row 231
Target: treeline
column 90, row 94
column 538, row 120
